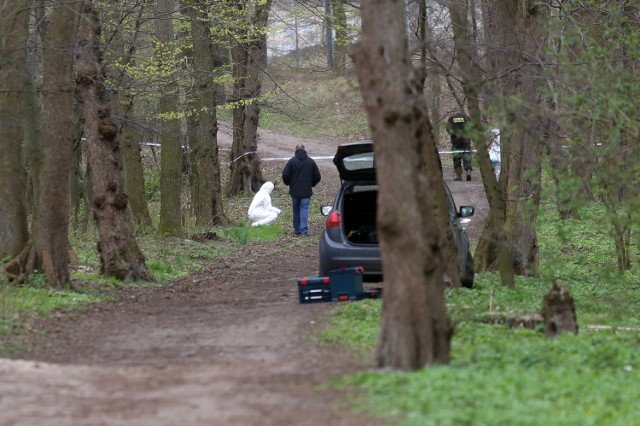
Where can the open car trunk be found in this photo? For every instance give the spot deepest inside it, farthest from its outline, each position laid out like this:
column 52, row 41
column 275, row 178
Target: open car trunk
column 359, row 214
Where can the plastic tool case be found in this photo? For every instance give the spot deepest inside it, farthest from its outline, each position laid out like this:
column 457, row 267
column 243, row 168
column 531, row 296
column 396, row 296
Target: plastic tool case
column 315, row 289
column 346, row 284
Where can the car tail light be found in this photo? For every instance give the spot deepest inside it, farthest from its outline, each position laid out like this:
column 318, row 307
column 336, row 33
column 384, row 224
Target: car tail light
column 333, row 219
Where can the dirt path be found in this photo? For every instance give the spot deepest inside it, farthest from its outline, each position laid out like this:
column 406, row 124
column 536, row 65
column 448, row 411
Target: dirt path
column 229, row 346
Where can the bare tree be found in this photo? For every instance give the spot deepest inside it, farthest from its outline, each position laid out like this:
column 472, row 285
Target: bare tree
column 120, row 256
column 415, row 327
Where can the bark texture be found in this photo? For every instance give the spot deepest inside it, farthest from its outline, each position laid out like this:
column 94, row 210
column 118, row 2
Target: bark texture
column 240, row 174
column 120, row 256
column 246, row 175
column 493, row 244
column 25, row 262
column 169, row 125
column 120, row 53
column 415, row 329
column 52, row 216
column 13, row 62
column 207, row 200
column 522, row 166
column 516, row 61
column 32, row 107
column 133, row 174
column 255, row 66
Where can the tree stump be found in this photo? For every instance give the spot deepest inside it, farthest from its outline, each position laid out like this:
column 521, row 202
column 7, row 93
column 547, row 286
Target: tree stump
column 559, row 312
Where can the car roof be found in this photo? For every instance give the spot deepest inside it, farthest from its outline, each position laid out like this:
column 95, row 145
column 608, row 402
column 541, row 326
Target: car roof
column 356, row 161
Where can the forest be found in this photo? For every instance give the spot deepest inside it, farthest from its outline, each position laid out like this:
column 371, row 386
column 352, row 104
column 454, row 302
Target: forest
column 113, row 113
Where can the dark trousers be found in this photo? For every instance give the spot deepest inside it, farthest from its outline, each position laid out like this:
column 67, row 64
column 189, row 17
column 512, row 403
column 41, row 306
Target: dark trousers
column 460, row 159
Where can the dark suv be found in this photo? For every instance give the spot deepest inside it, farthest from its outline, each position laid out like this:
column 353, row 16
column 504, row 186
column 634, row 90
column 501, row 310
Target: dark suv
column 350, row 238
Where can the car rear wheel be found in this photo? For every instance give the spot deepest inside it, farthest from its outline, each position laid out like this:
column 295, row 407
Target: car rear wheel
column 467, row 277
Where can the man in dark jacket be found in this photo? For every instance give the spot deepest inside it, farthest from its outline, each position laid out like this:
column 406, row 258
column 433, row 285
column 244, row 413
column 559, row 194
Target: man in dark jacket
column 301, row 173
column 458, row 128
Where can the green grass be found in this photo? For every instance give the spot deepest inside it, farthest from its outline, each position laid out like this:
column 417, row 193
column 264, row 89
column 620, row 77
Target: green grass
column 497, row 376
column 504, row 376
column 320, row 105
column 506, row 386
column 20, row 303
column 167, row 258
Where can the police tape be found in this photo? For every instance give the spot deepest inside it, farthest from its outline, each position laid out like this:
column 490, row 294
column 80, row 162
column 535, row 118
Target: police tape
column 321, row 157
column 329, row 157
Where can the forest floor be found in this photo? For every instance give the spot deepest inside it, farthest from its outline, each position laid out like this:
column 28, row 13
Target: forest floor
column 229, row 345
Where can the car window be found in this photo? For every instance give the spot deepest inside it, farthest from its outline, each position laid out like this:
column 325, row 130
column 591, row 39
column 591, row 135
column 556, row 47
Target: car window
column 363, row 188
column 364, row 160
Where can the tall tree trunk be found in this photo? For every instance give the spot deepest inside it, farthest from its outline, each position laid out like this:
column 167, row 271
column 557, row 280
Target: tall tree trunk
column 133, row 173
column 208, row 206
column 23, row 264
column 221, row 54
column 240, row 174
column 13, row 80
column 256, row 64
column 120, row 256
column 493, row 239
column 32, row 105
column 427, row 73
column 520, row 31
column 248, row 68
column 121, row 53
column 255, row 69
column 169, row 127
column 415, row 329
column 52, row 217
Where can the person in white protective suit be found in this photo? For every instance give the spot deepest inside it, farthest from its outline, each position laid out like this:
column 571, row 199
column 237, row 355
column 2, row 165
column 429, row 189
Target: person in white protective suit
column 261, row 212
column 494, row 152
